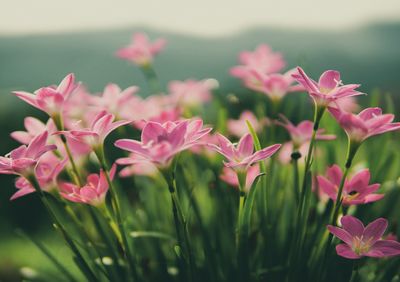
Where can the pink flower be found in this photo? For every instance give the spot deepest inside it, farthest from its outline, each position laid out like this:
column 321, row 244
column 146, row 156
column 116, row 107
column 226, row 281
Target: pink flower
column 285, row 153
column 191, row 92
column 46, row 172
column 348, row 104
column 242, row 156
column 329, row 87
column 92, row 193
column 33, row 128
column 239, row 127
column 141, row 51
column 136, row 165
column 202, row 147
column 230, row 176
column 360, row 241
column 114, row 100
column 263, row 60
column 23, row 160
column 302, row 133
column 367, row 123
column 161, row 142
column 50, row 99
column 102, row 125
column 356, row 191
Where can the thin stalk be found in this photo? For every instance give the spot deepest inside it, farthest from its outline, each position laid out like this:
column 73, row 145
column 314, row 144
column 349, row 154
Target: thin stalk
column 84, row 267
column 180, row 222
column 151, row 78
column 58, row 121
column 355, row 271
column 117, row 211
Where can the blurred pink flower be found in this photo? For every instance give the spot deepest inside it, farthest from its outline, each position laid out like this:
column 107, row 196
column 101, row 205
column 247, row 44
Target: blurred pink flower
column 136, row 165
column 360, row 241
column 367, row 123
column 33, row 128
column 262, row 59
column 202, row 146
column 239, row 127
column 102, row 125
column 356, row 191
column 22, row 161
column 302, row 133
column 161, row 142
column 191, row 93
column 242, row 156
column 50, row 99
column 230, row 176
column 328, row 89
column 285, row 153
column 348, row 104
column 141, row 51
column 46, row 172
column 92, row 193
column 114, row 100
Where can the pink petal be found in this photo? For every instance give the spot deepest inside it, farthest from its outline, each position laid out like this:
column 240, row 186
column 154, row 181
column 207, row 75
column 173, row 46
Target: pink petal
column 341, row 234
column 66, row 85
column 329, row 79
column 352, row 225
column 245, row 146
column 375, row 230
column 384, row 248
column 151, row 132
column 345, row 251
column 335, row 174
column 327, row 187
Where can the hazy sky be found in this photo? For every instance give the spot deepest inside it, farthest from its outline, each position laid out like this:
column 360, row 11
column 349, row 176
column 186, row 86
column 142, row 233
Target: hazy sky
column 200, row 17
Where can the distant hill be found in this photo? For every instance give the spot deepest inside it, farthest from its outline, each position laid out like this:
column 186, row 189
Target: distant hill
column 368, row 55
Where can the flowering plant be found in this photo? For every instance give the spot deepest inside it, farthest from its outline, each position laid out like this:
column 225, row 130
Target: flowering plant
column 150, row 189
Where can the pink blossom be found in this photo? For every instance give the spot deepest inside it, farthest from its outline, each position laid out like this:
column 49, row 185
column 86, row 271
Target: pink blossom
column 239, row 127
column 141, row 51
column 22, row 161
column 190, row 92
column 242, row 156
column 262, row 59
column 230, row 176
column 356, row 190
column 161, row 142
column 136, row 165
column 302, row 133
column 46, row 172
column 33, row 128
column 50, row 99
column 92, row 193
column 328, row 89
column 285, row 153
column 348, row 104
column 367, row 123
column 360, row 241
column 102, row 125
column 114, row 100
column 202, row 147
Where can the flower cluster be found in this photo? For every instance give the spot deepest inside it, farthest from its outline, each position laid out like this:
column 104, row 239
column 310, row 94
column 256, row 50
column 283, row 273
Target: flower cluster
column 163, row 139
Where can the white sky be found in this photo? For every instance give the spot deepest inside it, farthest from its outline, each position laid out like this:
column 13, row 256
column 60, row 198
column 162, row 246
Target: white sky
column 200, row 17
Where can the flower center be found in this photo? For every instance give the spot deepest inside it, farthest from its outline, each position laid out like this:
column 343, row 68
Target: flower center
column 361, row 246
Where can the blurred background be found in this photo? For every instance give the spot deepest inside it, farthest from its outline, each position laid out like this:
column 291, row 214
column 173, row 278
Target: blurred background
column 43, row 40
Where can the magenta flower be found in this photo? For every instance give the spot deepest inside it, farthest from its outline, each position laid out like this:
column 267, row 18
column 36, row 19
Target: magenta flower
column 230, row 176
column 161, row 142
column 328, row 89
column 302, row 133
column 191, row 93
column 23, row 160
column 46, row 173
column 360, row 241
column 102, row 125
column 263, row 60
column 92, row 193
column 141, row 51
column 242, row 156
column 356, row 191
column 239, row 127
column 50, row 99
column 367, row 123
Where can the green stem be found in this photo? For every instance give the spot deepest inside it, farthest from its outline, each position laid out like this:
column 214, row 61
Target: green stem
column 60, row 127
column 180, row 222
column 351, row 152
column 151, row 78
column 117, row 211
column 79, row 259
column 355, row 271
